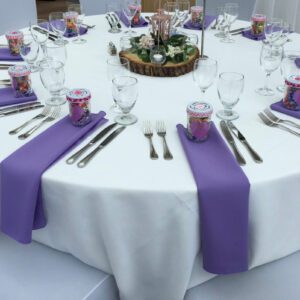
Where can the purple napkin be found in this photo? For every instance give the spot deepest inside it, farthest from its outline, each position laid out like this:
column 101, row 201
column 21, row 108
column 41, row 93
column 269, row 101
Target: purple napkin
column 7, row 97
column 208, row 21
column 21, row 195
column 126, row 22
column 223, row 193
column 278, row 106
column 248, row 34
column 297, row 62
column 5, row 55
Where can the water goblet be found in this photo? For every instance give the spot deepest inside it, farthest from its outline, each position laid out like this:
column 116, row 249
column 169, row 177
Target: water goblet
column 205, row 71
column 270, row 59
column 29, row 51
column 273, row 29
column 231, row 12
column 125, row 93
column 130, row 8
column 220, row 21
column 230, row 87
column 53, row 78
column 39, row 30
column 79, row 9
column 57, row 52
column 59, row 26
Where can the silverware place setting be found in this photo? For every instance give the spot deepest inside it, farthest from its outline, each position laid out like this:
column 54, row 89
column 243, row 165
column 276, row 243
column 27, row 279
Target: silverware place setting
column 276, row 119
column 148, row 133
column 161, row 131
column 19, row 109
column 89, row 26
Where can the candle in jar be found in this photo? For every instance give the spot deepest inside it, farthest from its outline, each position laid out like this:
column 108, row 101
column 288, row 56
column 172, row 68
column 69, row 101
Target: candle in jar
column 291, row 99
column 157, row 57
column 20, row 80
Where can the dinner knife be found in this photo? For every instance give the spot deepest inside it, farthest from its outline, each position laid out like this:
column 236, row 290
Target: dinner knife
column 240, row 159
column 108, row 21
column 92, row 142
column 87, row 159
column 51, row 36
column 117, row 20
column 14, row 107
column 16, row 111
column 243, row 140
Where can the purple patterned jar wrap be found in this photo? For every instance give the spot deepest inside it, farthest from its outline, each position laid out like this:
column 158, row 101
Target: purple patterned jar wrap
column 291, row 99
column 20, row 80
column 15, row 41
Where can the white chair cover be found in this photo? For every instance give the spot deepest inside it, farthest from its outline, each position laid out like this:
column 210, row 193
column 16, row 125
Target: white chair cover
column 288, row 10
column 16, row 14
column 96, row 7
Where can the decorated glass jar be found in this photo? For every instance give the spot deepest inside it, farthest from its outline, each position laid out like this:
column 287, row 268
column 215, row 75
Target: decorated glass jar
column 79, row 106
column 198, row 121
column 15, row 41
column 291, row 98
column 70, row 18
column 196, row 14
column 20, row 80
column 258, row 23
column 137, row 9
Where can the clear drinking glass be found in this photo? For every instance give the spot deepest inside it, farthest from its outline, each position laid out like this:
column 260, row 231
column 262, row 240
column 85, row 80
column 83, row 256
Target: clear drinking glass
column 205, row 71
column 220, row 22
column 39, row 30
column 59, row 26
column 125, row 42
column 183, row 11
column 130, row 8
column 270, row 59
column 111, row 9
column 273, row 29
column 230, row 87
column 29, row 51
column 79, row 9
column 53, row 78
column 125, row 93
column 231, row 12
column 57, row 52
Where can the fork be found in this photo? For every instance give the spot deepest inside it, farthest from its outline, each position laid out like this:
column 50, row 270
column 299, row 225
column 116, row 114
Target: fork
column 148, row 133
column 278, row 120
column 161, row 131
column 50, row 118
column 270, row 123
column 42, row 115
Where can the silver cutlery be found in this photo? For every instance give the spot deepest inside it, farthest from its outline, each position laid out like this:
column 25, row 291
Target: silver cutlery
column 89, row 26
column 92, row 142
column 45, row 112
column 108, row 20
column 54, row 115
column 112, row 49
column 239, row 157
column 243, row 140
column 52, row 37
column 6, row 65
column 270, row 123
column 275, row 119
column 239, row 30
column 14, row 107
column 20, row 110
column 162, row 132
column 148, row 133
column 90, row 156
column 117, row 19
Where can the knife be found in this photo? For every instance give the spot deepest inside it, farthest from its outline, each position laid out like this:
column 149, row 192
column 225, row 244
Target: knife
column 101, row 134
column 117, row 20
column 87, row 159
column 231, row 142
column 239, row 29
column 108, row 21
column 243, row 140
column 28, row 104
column 16, row 111
column 51, row 36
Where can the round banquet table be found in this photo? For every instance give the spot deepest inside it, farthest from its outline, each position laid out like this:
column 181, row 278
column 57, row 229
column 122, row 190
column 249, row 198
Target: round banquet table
column 137, row 218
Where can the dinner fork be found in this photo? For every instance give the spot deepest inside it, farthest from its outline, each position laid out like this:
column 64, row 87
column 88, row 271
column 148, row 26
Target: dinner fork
column 149, row 134
column 41, row 115
column 54, row 115
column 161, row 131
column 278, row 120
column 270, row 123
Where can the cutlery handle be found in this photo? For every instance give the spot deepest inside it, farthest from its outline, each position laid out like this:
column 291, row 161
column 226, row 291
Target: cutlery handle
column 88, row 158
column 288, row 129
column 167, row 153
column 75, row 156
column 291, row 123
column 239, row 157
column 18, row 129
column 153, row 153
column 253, row 153
column 32, row 130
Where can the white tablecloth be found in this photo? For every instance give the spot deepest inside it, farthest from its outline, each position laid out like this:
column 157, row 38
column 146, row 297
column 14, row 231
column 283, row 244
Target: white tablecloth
column 138, row 219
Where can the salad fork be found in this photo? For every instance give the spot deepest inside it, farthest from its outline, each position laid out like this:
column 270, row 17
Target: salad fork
column 278, row 120
column 148, row 133
column 54, row 115
column 162, row 132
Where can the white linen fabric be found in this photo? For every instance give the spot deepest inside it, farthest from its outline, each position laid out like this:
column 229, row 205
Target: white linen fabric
column 96, row 7
column 288, row 10
column 138, row 219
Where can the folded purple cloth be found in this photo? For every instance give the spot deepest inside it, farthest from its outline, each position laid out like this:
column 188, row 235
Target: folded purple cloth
column 126, row 22
column 278, row 106
column 7, row 97
column 297, row 62
column 5, row 55
column 20, row 180
column 208, row 21
column 248, row 34
column 223, row 193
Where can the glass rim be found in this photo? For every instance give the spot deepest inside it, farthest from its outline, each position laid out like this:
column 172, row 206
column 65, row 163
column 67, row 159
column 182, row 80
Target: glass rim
column 113, row 62
column 133, row 79
column 208, row 59
column 239, row 76
column 50, row 64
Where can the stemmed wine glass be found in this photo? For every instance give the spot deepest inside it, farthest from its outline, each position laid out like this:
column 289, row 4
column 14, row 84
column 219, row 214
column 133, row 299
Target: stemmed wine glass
column 270, row 59
column 59, row 26
column 57, row 52
column 79, row 9
column 125, row 93
column 29, row 51
column 130, row 9
column 205, row 71
column 273, row 29
column 230, row 87
column 39, row 30
column 220, row 22
column 231, row 12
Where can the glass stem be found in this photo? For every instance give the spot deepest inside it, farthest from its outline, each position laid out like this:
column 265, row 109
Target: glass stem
column 266, row 87
column 44, row 49
column 203, row 93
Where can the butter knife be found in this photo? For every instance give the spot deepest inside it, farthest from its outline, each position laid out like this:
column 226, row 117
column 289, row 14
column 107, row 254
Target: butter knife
column 88, row 158
column 243, row 140
column 240, row 159
column 14, row 107
column 92, row 142
column 16, row 111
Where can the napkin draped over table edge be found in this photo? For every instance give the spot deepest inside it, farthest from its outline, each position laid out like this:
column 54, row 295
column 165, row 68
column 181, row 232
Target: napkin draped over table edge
column 21, row 209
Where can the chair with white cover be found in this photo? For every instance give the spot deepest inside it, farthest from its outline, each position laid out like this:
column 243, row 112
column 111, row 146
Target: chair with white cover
column 288, row 10
column 96, row 7
column 16, row 14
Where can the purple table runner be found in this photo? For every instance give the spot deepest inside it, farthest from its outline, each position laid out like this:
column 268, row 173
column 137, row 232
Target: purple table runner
column 6, row 56
column 20, row 177
column 208, row 21
column 223, row 193
column 126, row 22
column 7, row 97
column 248, row 34
column 278, row 106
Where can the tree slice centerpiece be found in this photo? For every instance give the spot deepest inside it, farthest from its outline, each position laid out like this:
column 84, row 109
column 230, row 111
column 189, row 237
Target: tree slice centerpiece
column 180, row 56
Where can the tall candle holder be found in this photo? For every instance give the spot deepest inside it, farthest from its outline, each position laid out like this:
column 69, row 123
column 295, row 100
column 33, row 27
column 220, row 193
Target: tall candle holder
column 203, row 29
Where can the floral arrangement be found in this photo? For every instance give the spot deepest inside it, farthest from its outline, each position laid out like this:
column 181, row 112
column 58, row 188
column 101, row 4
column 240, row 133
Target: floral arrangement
column 176, row 47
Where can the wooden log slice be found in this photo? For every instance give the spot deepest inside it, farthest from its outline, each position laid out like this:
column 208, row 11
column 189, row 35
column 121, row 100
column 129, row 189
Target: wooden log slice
column 167, row 70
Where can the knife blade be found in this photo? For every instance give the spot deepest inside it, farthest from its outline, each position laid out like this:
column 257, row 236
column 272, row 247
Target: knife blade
column 116, row 19
column 88, row 158
column 16, row 111
column 101, row 134
column 108, row 21
column 28, row 104
column 240, row 159
column 51, row 36
column 244, row 141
